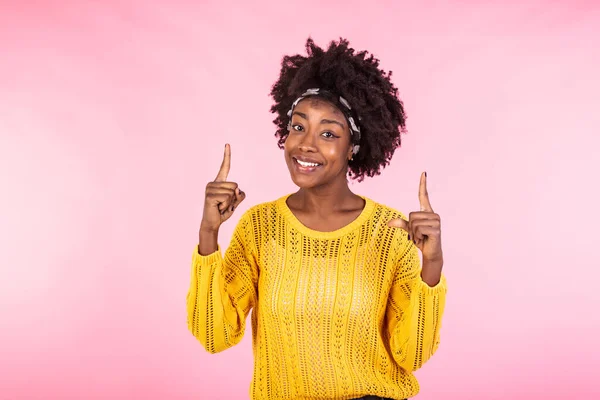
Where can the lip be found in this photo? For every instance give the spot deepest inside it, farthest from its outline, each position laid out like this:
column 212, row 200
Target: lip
column 305, row 170
column 307, row 159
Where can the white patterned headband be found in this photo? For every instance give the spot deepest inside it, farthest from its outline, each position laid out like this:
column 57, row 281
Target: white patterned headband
column 346, row 110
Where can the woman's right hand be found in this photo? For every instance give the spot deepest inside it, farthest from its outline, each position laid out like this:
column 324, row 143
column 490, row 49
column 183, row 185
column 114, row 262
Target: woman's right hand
column 221, row 198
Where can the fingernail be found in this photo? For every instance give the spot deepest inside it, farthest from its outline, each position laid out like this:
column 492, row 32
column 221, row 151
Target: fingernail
column 232, row 208
column 408, row 236
column 425, row 174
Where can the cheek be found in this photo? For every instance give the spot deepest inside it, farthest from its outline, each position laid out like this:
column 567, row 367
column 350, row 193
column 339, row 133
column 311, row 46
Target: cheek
column 287, row 144
column 335, row 150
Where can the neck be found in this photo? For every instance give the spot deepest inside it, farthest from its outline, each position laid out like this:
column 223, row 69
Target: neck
column 325, row 199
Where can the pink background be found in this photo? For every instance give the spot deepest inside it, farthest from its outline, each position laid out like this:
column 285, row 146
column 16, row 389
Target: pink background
column 113, row 116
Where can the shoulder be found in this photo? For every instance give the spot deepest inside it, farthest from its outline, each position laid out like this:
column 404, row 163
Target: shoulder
column 257, row 221
column 380, row 216
column 262, row 210
column 382, row 211
column 400, row 250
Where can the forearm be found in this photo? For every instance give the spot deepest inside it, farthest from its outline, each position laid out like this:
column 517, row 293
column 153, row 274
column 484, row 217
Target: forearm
column 222, row 289
column 431, row 273
column 416, row 336
column 201, row 296
column 213, row 317
column 208, row 242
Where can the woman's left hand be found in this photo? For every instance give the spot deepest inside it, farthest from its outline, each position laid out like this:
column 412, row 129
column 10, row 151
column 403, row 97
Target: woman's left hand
column 424, row 230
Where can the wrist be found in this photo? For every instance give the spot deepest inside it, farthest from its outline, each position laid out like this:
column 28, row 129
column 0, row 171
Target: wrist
column 431, row 278
column 437, row 263
column 207, row 241
column 431, row 273
column 207, row 230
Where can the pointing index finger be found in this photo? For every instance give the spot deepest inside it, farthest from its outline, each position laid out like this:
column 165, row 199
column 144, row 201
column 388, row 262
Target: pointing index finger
column 423, row 195
column 225, row 165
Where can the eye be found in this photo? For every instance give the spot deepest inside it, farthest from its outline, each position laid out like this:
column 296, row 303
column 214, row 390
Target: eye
column 328, row 135
column 297, row 127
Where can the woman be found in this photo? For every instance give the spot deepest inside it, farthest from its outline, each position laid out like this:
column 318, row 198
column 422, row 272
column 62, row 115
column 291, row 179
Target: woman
column 342, row 308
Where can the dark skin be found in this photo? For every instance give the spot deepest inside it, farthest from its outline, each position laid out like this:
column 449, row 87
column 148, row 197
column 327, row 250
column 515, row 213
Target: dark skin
column 317, row 152
column 319, row 133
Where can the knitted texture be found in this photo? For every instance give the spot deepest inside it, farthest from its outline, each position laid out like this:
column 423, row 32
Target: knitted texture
column 335, row 315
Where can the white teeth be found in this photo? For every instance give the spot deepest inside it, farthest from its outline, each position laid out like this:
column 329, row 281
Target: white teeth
column 307, row 164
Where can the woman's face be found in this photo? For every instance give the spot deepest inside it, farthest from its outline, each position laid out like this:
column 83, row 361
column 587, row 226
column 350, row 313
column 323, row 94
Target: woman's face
column 317, row 148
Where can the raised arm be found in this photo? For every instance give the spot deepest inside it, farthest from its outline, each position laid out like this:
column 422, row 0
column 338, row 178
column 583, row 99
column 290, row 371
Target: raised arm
column 222, row 289
column 418, row 295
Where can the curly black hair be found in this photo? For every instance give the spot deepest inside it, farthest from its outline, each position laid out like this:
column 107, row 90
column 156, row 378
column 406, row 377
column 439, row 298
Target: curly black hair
column 356, row 77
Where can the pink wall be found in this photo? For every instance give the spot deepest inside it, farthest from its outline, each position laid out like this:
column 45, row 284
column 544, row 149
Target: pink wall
column 112, row 119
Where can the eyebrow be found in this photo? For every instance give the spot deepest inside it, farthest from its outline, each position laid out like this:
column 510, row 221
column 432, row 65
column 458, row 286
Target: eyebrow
column 323, row 121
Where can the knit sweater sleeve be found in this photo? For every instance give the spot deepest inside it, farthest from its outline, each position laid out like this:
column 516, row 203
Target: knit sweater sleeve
column 414, row 313
column 223, row 291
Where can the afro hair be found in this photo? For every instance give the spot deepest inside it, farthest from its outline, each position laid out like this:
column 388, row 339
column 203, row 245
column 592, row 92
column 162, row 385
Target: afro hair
column 356, row 76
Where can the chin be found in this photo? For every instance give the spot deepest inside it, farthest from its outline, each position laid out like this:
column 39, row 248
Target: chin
column 304, row 182
column 307, row 179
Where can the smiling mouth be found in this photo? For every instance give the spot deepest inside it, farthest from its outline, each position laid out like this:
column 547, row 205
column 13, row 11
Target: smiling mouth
column 306, row 166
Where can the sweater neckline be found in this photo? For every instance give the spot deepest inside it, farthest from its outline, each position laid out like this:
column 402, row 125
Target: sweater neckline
column 295, row 222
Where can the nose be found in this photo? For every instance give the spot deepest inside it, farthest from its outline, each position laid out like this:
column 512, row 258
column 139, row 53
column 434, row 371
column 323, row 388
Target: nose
column 307, row 143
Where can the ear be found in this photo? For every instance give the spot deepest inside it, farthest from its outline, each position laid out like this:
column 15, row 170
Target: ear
column 350, row 154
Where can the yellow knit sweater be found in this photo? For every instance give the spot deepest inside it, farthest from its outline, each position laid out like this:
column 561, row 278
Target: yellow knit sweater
column 336, row 315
